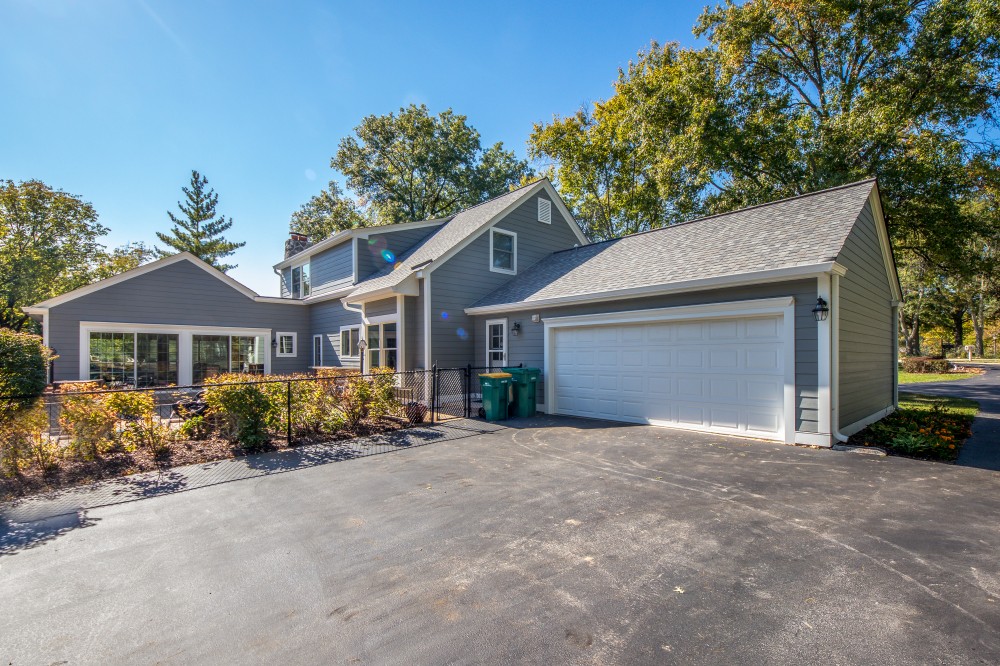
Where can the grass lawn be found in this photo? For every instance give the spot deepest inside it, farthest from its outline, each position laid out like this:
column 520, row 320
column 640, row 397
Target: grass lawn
column 924, row 426
column 922, row 377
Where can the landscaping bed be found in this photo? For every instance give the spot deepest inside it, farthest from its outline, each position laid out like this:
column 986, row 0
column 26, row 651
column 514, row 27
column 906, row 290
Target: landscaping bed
column 83, row 434
column 924, row 427
column 119, row 461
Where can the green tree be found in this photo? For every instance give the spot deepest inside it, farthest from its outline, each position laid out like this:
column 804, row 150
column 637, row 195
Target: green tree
column 121, row 259
column 48, row 240
column 197, row 230
column 327, row 213
column 795, row 96
column 415, row 166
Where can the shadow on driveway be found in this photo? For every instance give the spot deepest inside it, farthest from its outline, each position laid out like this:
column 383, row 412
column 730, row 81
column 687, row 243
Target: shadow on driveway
column 30, row 521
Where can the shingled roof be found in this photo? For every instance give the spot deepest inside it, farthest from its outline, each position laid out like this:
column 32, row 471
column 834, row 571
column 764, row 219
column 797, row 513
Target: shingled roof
column 453, row 232
column 800, row 231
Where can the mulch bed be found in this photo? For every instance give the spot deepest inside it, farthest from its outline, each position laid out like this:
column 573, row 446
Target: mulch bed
column 118, row 462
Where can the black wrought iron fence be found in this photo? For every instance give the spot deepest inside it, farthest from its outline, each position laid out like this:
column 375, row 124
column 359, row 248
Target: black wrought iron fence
column 251, row 410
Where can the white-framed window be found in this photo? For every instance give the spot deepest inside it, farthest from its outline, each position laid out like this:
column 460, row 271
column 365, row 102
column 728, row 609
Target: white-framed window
column 382, row 350
column 544, row 210
column 317, row 351
column 287, row 344
column 300, row 285
column 503, row 251
column 350, row 337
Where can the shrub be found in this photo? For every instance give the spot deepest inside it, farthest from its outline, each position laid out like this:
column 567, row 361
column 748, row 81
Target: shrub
column 196, row 427
column 247, row 408
column 131, row 405
column 24, row 363
column 923, row 364
column 24, row 439
column 356, row 400
column 148, row 433
column 384, row 400
column 89, row 421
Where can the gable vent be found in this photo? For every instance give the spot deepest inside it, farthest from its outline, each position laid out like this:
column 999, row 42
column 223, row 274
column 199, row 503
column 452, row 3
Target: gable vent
column 544, row 210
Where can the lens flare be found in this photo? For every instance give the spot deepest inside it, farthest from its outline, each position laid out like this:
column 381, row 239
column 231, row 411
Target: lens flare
column 444, row 315
column 389, row 257
column 462, row 335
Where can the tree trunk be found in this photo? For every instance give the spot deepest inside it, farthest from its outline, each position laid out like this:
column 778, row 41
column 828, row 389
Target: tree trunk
column 958, row 326
column 977, row 310
column 911, row 333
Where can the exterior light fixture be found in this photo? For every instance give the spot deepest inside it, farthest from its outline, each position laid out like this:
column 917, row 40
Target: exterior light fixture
column 274, row 342
column 516, row 329
column 822, row 310
column 362, row 346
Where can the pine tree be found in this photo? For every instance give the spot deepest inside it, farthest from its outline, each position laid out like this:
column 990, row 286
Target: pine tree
column 198, row 231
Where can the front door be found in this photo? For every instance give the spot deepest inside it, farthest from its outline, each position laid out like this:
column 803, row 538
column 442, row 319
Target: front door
column 496, row 343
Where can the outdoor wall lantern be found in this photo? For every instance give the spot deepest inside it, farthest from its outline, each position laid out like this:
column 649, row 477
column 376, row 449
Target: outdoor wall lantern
column 822, row 310
column 516, row 329
column 274, row 342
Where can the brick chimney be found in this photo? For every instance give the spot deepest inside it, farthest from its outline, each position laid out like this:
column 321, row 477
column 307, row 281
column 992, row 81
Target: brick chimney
column 296, row 243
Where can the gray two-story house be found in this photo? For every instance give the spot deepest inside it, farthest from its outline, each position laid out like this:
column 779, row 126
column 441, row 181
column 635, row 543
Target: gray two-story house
column 776, row 321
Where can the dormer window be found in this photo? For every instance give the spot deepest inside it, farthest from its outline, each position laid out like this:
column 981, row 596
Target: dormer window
column 503, row 251
column 300, row 286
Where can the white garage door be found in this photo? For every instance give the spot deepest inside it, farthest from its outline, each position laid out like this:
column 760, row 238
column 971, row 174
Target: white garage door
column 721, row 375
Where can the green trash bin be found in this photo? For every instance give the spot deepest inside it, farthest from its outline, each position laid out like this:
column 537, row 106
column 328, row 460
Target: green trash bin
column 525, row 386
column 494, row 387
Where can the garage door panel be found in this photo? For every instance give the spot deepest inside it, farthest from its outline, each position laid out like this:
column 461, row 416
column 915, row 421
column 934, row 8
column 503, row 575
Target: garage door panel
column 723, row 375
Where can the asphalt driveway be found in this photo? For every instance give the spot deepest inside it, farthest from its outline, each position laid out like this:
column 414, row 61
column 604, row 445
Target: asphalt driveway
column 569, row 542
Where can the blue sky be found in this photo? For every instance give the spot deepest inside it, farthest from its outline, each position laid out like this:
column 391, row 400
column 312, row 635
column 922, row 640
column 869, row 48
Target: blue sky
column 117, row 101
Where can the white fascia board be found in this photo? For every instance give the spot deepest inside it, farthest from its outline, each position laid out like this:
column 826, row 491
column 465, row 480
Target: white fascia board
column 406, row 287
column 749, row 308
column 885, row 244
column 328, row 242
column 465, row 242
column 360, row 232
column 328, row 296
column 279, row 300
column 704, row 284
column 35, row 309
column 366, row 232
column 142, row 270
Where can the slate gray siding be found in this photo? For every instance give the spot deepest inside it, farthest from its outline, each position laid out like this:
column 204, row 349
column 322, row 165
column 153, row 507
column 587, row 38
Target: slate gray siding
column 466, row 277
column 326, row 319
column 527, row 348
column 369, row 251
column 332, row 269
column 867, row 350
column 381, row 308
column 179, row 294
column 414, row 334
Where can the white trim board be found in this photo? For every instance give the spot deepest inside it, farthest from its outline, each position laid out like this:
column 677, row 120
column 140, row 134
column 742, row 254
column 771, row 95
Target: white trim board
column 703, row 284
column 185, row 369
column 361, row 232
column 885, row 245
column 38, row 308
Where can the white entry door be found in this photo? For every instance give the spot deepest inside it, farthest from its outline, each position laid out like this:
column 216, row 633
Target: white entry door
column 722, row 375
column 496, row 343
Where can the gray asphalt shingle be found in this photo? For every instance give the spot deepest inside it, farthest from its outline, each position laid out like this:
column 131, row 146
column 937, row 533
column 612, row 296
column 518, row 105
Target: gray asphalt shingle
column 808, row 229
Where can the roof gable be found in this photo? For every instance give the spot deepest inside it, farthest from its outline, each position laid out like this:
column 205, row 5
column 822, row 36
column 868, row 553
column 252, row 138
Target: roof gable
column 785, row 235
column 457, row 233
column 37, row 308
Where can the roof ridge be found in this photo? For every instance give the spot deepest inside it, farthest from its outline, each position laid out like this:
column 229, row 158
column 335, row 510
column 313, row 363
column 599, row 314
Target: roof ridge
column 499, row 196
column 732, row 212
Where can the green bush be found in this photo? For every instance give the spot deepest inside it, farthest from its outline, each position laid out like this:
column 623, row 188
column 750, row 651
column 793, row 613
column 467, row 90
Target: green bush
column 24, row 439
column 131, row 405
column 89, row 421
column 247, row 409
column 196, row 427
column 24, row 363
column 923, row 364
